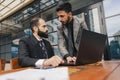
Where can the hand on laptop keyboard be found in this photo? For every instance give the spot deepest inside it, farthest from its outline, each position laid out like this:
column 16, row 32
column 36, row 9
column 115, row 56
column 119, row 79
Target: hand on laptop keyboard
column 71, row 59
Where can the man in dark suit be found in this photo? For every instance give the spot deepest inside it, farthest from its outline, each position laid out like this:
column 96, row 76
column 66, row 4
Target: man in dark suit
column 36, row 51
column 68, row 31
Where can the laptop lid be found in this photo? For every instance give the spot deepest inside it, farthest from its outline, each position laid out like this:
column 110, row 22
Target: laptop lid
column 91, row 47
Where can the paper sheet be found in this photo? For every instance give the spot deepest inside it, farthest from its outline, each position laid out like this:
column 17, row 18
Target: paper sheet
column 38, row 74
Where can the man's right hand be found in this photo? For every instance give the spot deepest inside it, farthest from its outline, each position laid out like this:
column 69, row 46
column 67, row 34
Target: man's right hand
column 71, row 59
column 53, row 61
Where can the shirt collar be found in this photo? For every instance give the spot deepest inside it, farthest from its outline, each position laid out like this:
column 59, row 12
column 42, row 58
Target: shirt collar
column 35, row 40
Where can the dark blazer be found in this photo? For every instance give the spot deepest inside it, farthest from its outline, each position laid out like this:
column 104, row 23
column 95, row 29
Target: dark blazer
column 30, row 51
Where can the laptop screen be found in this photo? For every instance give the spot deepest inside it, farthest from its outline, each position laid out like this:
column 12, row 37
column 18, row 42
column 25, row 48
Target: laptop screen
column 91, row 47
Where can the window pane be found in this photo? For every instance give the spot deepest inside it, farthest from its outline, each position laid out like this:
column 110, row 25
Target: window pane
column 113, row 25
column 111, row 7
column 94, row 20
column 52, row 25
column 112, row 11
column 53, row 38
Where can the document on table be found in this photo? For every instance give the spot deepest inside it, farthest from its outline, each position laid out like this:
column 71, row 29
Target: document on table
column 38, row 74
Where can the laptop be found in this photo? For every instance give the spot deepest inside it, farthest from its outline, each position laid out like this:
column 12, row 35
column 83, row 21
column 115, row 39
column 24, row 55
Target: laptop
column 91, row 48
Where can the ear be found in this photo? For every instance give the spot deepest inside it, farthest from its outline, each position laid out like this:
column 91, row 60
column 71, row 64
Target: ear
column 35, row 28
column 70, row 13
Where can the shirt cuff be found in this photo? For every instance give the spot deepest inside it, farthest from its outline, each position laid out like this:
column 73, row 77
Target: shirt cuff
column 65, row 56
column 39, row 63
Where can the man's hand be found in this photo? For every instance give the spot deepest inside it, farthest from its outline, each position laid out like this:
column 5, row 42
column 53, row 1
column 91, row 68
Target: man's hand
column 71, row 59
column 53, row 61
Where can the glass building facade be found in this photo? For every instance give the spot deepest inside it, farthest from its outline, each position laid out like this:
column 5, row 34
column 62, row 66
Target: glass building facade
column 112, row 17
column 16, row 26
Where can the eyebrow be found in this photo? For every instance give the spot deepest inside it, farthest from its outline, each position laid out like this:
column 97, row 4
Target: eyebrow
column 61, row 16
column 43, row 25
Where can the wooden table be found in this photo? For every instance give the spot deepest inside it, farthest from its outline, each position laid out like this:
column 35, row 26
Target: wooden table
column 105, row 70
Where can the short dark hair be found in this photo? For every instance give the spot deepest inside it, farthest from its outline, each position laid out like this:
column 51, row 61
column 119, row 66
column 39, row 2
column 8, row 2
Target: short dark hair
column 65, row 6
column 34, row 22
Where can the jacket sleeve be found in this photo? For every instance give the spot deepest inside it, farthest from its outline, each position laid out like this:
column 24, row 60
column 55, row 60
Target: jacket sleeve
column 83, row 24
column 23, row 51
column 61, row 42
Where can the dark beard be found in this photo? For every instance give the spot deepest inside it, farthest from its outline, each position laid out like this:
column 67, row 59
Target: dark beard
column 43, row 34
column 67, row 22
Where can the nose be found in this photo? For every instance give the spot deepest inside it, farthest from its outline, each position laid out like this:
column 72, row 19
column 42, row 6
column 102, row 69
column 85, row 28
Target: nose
column 46, row 29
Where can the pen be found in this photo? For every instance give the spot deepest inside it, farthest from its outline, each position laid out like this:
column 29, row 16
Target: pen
column 50, row 67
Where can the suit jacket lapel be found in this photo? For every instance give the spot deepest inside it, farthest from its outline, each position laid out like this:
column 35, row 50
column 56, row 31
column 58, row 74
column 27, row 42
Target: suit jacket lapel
column 47, row 48
column 76, row 27
column 65, row 31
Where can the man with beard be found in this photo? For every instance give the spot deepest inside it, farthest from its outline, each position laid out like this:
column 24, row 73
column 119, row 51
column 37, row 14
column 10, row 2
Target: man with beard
column 68, row 31
column 36, row 51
